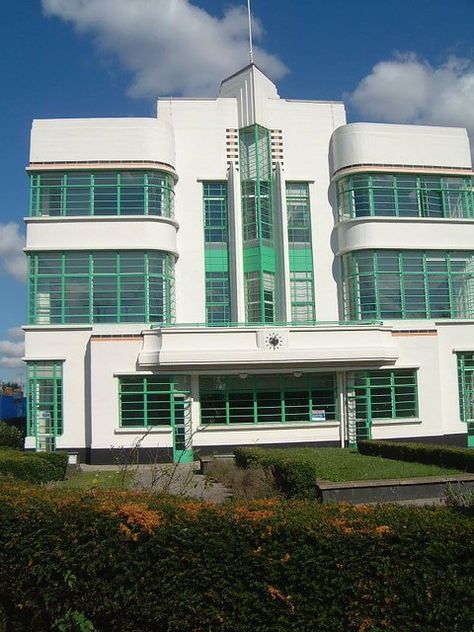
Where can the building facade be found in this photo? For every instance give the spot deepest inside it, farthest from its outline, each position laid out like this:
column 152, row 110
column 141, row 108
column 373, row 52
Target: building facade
column 247, row 270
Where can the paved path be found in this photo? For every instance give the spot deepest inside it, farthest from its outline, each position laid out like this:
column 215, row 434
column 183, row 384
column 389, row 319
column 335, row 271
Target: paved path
column 179, row 480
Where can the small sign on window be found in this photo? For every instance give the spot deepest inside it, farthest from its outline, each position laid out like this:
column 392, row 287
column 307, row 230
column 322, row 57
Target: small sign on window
column 318, row 415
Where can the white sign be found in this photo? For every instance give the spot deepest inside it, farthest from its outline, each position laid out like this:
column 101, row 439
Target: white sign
column 318, row 415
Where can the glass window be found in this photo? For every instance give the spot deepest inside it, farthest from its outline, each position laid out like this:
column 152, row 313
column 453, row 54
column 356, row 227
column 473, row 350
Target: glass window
column 408, row 284
column 44, row 403
column 101, row 287
column 101, row 193
column 268, row 399
column 146, row 401
column 404, row 195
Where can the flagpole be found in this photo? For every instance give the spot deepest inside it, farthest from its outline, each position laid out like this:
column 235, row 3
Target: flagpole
column 249, row 10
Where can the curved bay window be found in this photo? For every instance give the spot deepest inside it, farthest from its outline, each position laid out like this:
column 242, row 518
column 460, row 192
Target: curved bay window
column 100, row 287
column 405, row 195
column 408, row 284
column 77, row 193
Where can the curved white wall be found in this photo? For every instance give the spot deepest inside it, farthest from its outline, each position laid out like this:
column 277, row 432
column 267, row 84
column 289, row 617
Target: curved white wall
column 383, row 144
column 98, row 233
column 404, row 233
column 102, row 139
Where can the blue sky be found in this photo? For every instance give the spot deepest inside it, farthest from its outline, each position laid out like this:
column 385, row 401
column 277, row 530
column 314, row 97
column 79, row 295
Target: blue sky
column 396, row 60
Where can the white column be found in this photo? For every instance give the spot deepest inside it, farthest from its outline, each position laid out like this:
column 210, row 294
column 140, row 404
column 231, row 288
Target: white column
column 236, row 245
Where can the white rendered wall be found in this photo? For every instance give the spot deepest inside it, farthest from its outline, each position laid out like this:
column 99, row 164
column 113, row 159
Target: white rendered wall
column 200, row 133
column 108, row 358
column 99, row 233
column 102, row 139
column 69, row 344
column 307, row 128
column 403, row 233
column 384, row 144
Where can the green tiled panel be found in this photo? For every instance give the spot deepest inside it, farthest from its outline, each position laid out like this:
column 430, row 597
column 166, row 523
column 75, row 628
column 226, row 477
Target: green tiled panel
column 259, row 258
column 217, row 260
column 301, row 259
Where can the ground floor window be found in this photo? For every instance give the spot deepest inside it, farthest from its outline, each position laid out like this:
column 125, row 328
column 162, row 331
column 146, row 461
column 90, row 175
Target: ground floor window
column 380, row 394
column 268, row 398
column 152, row 400
column 466, row 391
column 44, row 392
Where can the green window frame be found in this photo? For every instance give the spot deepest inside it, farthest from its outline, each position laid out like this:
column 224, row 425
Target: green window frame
column 216, row 253
column 405, row 195
column 465, row 362
column 44, row 402
column 409, row 284
column 152, row 400
column 129, row 286
column 300, row 251
column 267, row 398
column 391, row 394
column 258, row 218
column 101, row 192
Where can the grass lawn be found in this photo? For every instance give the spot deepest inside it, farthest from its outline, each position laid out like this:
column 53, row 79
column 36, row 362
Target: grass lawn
column 337, row 464
column 106, row 479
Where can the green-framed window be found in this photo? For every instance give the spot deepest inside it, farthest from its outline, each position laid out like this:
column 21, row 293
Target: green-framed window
column 258, row 399
column 256, row 183
column 44, row 402
column 387, row 394
column 101, row 192
column 260, row 291
column 405, row 195
column 408, row 284
column 382, row 394
column 259, row 247
column 217, row 298
column 100, row 287
column 216, row 253
column 300, row 252
column 152, row 400
column 465, row 361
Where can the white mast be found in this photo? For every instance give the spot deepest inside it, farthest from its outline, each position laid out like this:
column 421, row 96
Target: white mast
column 250, row 32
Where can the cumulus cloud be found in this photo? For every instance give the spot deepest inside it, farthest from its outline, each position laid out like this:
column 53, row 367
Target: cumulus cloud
column 409, row 90
column 12, row 259
column 169, row 46
column 15, row 332
column 11, row 353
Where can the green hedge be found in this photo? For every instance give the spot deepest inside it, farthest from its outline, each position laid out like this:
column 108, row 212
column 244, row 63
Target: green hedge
column 295, row 473
column 33, row 467
column 126, row 562
column 10, row 437
column 444, row 456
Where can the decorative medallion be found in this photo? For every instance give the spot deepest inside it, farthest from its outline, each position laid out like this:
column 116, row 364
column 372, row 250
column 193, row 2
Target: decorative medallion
column 273, row 340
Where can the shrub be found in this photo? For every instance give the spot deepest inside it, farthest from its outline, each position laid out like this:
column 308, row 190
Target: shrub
column 10, row 437
column 33, row 467
column 250, row 483
column 294, row 471
column 443, row 456
column 127, row 562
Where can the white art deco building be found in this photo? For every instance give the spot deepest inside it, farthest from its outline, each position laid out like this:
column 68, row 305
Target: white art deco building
column 247, row 270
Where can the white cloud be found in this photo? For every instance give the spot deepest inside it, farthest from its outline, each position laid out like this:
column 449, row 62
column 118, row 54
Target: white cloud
column 11, row 353
column 15, row 332
column 169, row 46
column 12, row 259
column 409, row 90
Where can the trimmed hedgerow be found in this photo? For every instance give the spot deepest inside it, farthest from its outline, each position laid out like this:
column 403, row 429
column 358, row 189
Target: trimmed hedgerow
column 10, row 437
column 443, row 456
column 126, row 562
column 33, row 467
column 295, row 472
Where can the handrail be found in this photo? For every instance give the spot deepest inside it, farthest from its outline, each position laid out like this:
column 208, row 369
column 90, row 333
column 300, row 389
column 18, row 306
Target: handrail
column 245, row 325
